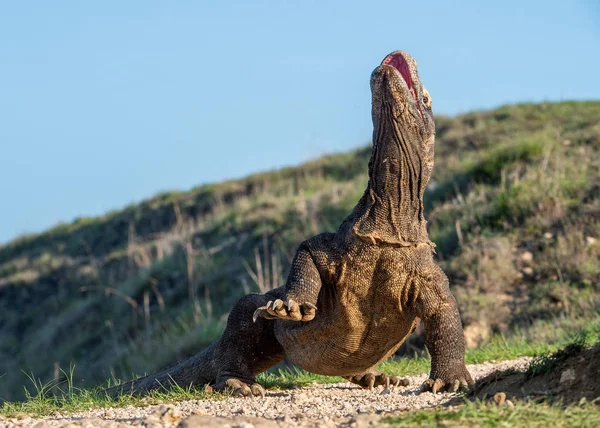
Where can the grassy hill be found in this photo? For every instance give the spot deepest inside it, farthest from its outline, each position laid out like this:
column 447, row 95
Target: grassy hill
column 514, row 207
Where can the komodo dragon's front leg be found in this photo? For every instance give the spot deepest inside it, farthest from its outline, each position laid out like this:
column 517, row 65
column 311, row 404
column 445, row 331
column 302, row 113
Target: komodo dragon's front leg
column 310, row 265
column 444, row 333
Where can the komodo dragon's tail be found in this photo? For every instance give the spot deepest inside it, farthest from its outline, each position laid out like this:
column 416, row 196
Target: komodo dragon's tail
column 197, row 371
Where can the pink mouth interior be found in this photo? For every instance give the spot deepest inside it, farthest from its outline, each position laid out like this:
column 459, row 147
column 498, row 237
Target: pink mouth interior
column 399, row 63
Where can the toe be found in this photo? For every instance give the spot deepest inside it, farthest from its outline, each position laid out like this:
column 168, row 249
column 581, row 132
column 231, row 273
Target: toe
column 243, row 391
column 308, row 311
column 262, row 312
column 294, row 310
column 453, row 387
column 258, row 390
column 398, row 381
column 279, row 308
column 369, row 380
column 269, row 308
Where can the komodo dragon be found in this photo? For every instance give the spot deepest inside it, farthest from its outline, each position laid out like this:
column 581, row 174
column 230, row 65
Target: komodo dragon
column 351, row 297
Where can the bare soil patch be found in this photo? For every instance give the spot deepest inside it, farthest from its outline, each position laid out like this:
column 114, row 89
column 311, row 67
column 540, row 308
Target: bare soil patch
column 570, row 380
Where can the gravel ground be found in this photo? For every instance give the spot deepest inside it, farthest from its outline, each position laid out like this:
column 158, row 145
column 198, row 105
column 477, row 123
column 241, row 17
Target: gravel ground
column 340, row 404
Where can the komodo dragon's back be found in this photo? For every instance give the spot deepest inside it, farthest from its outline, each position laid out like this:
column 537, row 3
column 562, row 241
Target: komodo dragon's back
column 351, row 297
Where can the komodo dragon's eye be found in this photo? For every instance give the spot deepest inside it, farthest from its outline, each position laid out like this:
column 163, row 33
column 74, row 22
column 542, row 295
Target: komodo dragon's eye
column 426, row 97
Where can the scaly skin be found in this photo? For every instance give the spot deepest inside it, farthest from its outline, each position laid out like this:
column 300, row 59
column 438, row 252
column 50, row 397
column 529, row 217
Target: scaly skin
column 352, row 297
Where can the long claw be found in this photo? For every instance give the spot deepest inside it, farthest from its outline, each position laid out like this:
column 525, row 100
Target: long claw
column 256, row 314
column 437, row 385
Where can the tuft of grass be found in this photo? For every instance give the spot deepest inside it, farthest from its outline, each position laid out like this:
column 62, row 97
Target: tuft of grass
column 544, row 364
column 479, row 413
column 295, row 377
column 501, row 348
column 50, row 398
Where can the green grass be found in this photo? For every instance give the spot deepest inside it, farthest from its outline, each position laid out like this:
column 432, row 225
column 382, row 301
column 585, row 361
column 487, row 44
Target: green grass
column 66, row 398
column 544, row 364
column 490, row 415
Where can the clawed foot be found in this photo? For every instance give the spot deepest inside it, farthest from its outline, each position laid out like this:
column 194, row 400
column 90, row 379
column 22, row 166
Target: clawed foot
column 438, row 385
column 237, row 388
column 286, row 311
column 371, row 380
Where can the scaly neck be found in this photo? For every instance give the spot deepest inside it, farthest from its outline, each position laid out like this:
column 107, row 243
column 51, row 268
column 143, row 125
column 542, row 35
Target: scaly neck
column 391, row 209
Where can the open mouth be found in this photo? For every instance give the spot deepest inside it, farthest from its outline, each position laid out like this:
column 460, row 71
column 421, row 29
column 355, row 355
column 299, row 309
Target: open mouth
column 397, row 61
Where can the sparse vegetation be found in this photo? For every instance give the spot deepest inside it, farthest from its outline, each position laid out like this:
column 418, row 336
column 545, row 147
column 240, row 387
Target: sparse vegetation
column 513, row 207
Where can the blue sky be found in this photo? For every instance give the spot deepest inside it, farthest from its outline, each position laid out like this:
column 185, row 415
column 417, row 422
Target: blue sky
column 107, row 103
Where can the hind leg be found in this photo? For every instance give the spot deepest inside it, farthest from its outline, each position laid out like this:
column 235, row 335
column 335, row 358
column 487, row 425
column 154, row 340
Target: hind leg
column 246, row 348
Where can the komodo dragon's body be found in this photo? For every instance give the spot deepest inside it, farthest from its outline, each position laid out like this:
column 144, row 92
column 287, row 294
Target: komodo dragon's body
column 352, row 297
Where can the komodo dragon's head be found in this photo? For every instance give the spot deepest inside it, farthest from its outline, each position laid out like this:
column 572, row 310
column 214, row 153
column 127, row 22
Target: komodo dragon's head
column 402, row 107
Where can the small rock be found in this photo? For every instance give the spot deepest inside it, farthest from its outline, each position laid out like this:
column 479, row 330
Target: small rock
column 527, row 271
column 548, row 235
column 568, row 376
column 500, row 398
column 589, row 241
column 364, row 409
column 385, row 391
column 526, row 257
